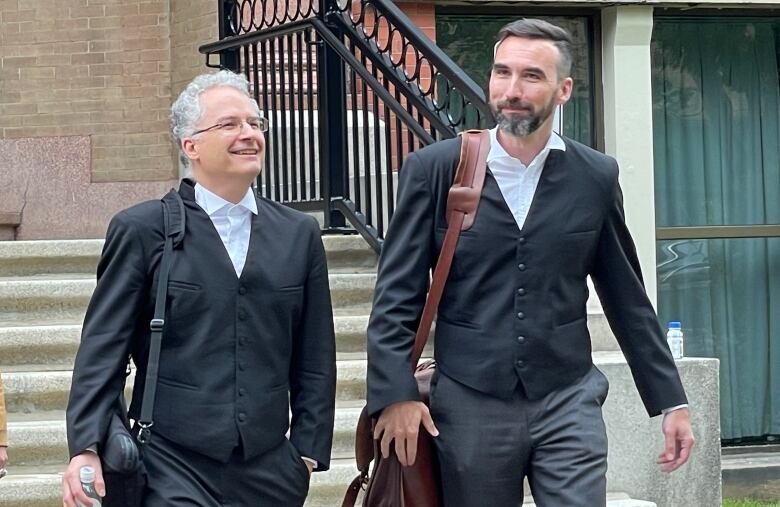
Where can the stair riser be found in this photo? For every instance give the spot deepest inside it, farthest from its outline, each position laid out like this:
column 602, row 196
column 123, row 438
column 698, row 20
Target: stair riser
column 33, row 392
column 46, row 443
column 66, row 300
column 57, row 345
column 327, row 489
column 23, row 258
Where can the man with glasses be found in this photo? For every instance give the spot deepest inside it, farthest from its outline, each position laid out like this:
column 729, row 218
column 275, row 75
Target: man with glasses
column 248, row 332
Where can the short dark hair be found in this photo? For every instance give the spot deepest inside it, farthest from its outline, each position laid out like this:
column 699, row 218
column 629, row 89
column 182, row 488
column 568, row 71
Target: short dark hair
column 530, row 28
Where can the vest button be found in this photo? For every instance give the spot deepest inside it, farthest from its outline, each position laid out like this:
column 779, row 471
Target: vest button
column 521, row 240
column 242, row 417
column 242, row 290
column 520, row 363
column 521, row 339
column 241, row 365
column 520, row 315
column 521, row 291
column 241, row 315
column 241, row 392
column 521, row 267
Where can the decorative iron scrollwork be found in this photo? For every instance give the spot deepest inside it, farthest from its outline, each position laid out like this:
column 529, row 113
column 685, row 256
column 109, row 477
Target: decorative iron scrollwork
column 375, row 21
column 245, row 16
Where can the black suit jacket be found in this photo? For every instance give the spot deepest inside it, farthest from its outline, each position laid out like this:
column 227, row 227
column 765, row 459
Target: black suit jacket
column 237, row 353
column 513, row 310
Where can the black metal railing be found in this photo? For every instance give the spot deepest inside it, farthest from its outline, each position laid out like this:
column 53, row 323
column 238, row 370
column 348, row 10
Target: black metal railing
column 349, row 87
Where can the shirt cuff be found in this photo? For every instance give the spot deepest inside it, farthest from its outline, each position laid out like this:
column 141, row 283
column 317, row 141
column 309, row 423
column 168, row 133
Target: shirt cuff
column 672, row 409
column 313, row 462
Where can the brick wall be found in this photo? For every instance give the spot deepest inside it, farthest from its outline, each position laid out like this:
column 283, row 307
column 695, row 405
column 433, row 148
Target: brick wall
column 97, row 68
column 193, row 23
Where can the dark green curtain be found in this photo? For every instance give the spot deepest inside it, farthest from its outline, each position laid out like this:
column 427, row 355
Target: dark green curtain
column 716, row 122
column 469, row 38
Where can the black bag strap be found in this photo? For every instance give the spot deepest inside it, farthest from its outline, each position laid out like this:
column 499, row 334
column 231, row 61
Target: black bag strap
column 174, row 227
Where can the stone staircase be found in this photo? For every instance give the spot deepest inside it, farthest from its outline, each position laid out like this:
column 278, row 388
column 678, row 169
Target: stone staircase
column 44, row 290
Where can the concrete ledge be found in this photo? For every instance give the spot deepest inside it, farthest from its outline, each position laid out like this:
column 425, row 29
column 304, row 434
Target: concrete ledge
column 636, row 440
column 752, row 472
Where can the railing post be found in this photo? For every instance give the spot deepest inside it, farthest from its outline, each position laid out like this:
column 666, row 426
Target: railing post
column 228, row 58
column 332, row 90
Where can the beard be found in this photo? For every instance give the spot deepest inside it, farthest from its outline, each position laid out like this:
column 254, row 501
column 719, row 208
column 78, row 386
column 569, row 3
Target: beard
column 516, row 126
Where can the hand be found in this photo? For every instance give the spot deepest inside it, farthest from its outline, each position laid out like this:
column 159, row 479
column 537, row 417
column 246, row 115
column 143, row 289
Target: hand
column 309, row 466
column 678, row 440
column 71, row 482
column 401, row 422
column 3, row 456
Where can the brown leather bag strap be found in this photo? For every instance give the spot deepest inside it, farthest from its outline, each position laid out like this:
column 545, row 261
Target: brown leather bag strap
column 462, row 203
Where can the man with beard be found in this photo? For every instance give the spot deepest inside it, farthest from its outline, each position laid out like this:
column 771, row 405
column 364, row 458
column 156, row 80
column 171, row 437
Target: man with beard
column 516, row 393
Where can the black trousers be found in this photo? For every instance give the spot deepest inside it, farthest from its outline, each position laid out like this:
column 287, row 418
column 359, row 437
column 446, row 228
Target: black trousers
column 178, row 477
column 487, row 445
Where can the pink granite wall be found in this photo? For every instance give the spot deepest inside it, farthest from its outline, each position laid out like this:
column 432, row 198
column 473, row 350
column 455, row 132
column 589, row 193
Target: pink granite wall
column 48, row 181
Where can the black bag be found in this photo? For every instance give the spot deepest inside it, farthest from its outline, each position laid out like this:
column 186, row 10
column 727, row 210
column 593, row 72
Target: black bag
column 121, row 453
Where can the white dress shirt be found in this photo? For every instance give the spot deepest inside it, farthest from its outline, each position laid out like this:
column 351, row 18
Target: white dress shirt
column 232, row 221
column 517, row 181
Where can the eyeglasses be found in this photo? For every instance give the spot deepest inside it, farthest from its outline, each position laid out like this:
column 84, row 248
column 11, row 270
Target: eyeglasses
column 234, row 125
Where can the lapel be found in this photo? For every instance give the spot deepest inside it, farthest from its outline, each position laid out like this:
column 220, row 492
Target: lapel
column 198, row 220
column 255, row 249
column 548, row 191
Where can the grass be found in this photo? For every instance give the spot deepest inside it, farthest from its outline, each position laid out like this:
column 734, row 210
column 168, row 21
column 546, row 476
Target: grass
column 727, row 502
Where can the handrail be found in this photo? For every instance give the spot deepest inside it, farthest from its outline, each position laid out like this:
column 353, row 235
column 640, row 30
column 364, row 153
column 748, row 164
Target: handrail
column 351, row 87
column 470, row 89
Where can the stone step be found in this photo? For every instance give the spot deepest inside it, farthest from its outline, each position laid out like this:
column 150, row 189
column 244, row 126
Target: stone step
column 33, row 299
column 23, row 258
column 33, row 391
column 42, row 441
column 326, row 490
column 39, row 442
column 25, row 488
column 751, row 472
column 54, row 346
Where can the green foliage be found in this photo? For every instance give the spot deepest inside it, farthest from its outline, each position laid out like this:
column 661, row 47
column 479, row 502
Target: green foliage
column 727, row 502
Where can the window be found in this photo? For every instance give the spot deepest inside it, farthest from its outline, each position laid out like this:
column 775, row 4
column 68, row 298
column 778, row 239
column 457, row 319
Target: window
column 716, row 128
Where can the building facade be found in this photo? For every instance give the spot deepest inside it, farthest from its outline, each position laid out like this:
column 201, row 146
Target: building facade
column 685, row 96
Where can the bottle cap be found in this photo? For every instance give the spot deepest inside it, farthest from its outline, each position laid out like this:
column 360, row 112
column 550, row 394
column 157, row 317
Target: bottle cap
column 673, row 324
column 87, row 474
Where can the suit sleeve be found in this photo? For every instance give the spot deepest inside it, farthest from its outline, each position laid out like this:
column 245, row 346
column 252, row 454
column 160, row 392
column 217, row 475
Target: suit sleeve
column 402, row 284
column 109, row 325
column 313, row 371
column 618, row 281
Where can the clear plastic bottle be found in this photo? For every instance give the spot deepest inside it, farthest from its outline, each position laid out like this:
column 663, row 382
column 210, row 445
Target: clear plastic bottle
column 87, row 476
column 674, row 337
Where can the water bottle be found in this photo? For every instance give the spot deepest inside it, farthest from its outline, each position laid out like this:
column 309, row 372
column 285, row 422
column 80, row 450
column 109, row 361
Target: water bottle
column 674, row 337
column 87, row 476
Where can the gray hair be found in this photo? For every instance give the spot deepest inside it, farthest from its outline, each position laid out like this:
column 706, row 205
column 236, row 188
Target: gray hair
column 187, row 110
column 529, row 28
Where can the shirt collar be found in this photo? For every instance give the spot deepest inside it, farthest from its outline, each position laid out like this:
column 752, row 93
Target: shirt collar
column 211, row 202
column 497, row 152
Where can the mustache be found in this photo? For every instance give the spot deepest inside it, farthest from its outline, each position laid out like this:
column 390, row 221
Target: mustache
column 514, row 104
